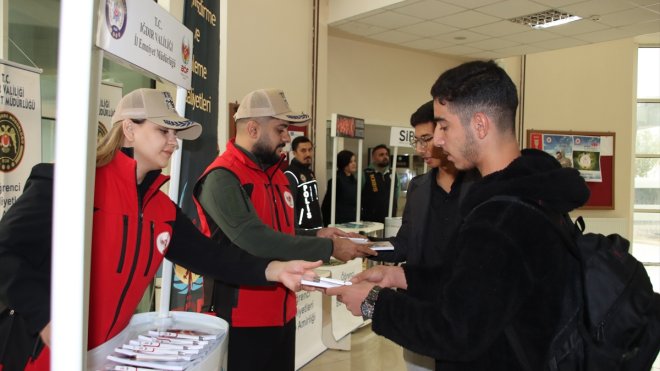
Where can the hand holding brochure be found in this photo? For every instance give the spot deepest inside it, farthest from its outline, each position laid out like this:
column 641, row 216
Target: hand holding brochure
column 325, row 282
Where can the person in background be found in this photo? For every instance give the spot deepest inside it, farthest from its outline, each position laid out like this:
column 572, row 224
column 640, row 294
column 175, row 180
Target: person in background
column 376, row 186
column 243, row 201
column 135, row 226
column 509, row 272
column 303, row 186
column 345, row 206
column 430, row 215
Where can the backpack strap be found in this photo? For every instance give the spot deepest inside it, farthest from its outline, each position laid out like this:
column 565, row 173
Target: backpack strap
column 555, row 219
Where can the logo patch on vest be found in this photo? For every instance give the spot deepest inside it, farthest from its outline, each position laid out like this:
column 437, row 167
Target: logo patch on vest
column 162, row 241
column 288, row 198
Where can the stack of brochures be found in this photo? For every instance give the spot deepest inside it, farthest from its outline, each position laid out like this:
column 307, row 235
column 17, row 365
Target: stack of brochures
column 172, row 349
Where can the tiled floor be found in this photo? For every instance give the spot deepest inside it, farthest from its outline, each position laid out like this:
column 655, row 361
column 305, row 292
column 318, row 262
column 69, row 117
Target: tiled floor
column 369, row 352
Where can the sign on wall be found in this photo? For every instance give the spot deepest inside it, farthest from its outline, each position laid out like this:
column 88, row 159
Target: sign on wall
column 109, row 96
column 147, row 36
column 346, row 127
column 400, row 137
column 20, row 129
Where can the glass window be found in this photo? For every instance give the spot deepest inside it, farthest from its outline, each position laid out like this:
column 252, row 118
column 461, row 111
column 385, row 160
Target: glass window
column 646, row 216
column 648, row 73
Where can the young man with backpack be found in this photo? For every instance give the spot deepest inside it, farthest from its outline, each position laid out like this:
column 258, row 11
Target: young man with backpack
column 510, row 269
column 524, row 290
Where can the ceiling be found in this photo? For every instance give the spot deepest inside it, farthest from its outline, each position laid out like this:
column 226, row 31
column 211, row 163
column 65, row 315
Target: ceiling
column 481, row 28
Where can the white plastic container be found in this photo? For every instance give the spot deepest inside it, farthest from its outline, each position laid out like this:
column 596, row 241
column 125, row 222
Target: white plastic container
column 215, row 360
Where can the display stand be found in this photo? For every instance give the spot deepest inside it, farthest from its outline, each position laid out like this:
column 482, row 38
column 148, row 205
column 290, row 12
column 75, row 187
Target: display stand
column 399, row 137
column 80, row 64
column 338, row 322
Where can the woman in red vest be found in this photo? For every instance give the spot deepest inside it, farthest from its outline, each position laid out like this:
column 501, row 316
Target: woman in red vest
column 135, row 226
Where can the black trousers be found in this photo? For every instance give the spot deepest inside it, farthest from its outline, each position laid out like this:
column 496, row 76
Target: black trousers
column 262, row 348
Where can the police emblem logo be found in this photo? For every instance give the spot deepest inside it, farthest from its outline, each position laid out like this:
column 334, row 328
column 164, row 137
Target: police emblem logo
column 12, row 142
column 288, row 198
column 303, row 177
column 115, row 17
column 102, row 131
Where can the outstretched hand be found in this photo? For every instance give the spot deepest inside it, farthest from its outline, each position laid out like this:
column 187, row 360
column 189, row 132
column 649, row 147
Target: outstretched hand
column 331, row 232
column 290, row 273
column 344, row 249
column 383, row 276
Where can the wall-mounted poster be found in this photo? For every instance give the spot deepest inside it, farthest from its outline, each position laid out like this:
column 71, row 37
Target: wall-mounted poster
column 590, row 153
column 20, row 129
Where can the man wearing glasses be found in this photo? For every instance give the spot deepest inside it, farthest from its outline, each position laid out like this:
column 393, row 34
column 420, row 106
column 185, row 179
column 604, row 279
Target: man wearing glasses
column 429, row 217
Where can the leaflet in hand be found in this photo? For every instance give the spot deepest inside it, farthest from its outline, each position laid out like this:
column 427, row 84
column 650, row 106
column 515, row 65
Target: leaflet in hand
column 382, row 246
column 325, row 282
column 377, row 246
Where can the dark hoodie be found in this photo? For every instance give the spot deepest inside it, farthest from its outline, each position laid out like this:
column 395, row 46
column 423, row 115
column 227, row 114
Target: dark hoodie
column 510, row 269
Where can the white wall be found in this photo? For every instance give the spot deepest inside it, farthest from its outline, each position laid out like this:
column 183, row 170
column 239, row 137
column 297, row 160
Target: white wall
column 589, row 88
column 269, row 45
column 382, row 84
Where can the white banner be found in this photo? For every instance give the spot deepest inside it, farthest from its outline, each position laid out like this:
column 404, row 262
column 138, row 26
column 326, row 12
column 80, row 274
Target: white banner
column 109, row 96
column 20, row 129
column 144, row 34
column 309, row 327
column 400, row 137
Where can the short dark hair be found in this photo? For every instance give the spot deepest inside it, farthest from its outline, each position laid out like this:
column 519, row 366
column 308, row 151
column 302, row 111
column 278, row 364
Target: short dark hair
column 423, row 114
column 379, row 147
column 298, row 140
column 479, row 87
column 344, row 158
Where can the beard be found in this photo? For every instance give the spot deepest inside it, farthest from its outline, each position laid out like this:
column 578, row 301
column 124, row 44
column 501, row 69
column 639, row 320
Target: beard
column 469, row 150
column 266, row 155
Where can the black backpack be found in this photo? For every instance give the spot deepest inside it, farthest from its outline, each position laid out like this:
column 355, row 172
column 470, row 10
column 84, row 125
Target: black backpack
column 616, row 326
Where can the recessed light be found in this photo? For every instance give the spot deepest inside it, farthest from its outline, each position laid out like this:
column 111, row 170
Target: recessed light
column 546, row 19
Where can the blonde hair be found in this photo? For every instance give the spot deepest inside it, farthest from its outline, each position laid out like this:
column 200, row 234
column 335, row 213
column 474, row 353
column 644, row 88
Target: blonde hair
column 108, row 146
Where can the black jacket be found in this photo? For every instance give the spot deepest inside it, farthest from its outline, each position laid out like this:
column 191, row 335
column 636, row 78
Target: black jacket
column 508, row 268
column 376, row 194
column 345, row 208
column 409, row 240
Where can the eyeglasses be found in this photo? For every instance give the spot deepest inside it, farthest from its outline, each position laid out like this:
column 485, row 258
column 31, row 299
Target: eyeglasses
column 423, row 142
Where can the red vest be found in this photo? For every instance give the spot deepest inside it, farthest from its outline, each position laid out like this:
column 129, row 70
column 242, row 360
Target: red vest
column 256, row 306
column 128, row 245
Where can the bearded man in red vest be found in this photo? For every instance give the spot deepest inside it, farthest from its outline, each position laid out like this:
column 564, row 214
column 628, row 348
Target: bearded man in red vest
column 244, row 201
